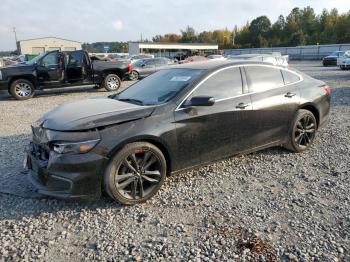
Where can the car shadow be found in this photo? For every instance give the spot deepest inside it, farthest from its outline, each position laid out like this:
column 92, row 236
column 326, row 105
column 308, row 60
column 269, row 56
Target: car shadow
column 16, row 189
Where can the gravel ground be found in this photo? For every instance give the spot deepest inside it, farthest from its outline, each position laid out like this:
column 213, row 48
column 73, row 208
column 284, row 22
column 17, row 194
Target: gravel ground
column 268, row 206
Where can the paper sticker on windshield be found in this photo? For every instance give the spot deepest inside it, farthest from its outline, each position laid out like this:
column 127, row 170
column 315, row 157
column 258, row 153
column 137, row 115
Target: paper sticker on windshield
column 180, row 78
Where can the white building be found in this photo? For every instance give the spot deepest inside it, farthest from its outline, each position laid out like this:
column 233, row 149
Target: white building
column 41, row 45
column 136, row 48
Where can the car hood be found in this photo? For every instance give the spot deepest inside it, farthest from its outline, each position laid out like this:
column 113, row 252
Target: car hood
column 17, row 68
column 93, row 113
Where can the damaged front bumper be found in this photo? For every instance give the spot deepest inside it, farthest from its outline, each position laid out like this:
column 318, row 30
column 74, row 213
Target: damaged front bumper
column 67, row 176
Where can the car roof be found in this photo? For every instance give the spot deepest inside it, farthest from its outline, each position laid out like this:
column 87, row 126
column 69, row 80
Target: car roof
column 255, row 55
column 216, row 64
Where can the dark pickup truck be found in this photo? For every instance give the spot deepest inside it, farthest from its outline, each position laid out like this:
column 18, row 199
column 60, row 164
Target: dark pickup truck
column 61, row 69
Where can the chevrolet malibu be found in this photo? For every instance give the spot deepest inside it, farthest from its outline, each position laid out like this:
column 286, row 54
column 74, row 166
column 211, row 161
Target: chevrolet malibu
column 177, row 118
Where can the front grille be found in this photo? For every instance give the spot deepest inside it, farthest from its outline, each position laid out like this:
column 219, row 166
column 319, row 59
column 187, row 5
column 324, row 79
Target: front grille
column 40, row 152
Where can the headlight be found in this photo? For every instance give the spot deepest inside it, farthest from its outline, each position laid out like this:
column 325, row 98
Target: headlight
column 0, row 75
column 75, row 147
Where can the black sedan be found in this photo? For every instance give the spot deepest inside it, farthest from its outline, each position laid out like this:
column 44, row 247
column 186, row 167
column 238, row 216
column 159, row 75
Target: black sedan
column 177, row 118
column 331, row 60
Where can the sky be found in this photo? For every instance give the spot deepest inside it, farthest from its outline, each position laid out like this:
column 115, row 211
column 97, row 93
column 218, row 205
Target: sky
column 116, row 20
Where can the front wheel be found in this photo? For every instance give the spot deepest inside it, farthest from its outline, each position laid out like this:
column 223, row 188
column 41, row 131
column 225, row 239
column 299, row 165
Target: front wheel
column 112, row 82
column 22, row 89
column 303, row 131
column 135, row 173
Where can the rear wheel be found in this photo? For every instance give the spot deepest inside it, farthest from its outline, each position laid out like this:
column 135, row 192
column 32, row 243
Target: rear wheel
column 134, row 75
column 135, row 173
column 22, row 89
column 112, row 82
column 303, row 131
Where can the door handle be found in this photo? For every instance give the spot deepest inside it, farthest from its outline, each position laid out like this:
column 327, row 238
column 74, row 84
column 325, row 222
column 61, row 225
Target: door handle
column 242, row 105
column 289, row 95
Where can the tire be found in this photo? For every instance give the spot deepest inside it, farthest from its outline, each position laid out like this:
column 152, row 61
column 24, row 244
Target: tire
column 22, row 89
column 134, row 75
column 137, row 165
column 112, row 82
column 302, row 132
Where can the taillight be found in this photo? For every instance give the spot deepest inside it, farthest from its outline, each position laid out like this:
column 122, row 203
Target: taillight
column 328, row 89
column 129, row 68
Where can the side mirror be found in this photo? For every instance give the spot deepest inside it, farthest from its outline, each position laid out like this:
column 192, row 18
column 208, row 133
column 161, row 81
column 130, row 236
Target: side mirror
column 200, row 101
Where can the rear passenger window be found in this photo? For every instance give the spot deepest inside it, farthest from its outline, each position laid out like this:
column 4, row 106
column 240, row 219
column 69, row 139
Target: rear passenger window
column 75, row 58
column 289, row 77
column 261, row 78
column 224, row 84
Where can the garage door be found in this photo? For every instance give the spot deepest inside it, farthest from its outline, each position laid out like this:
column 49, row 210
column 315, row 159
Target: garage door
column 54, row 49
column 68, row 48
column 38, row 50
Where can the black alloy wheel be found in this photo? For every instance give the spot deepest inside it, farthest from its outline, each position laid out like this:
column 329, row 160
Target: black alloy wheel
column 303, row 131
column 136, row 173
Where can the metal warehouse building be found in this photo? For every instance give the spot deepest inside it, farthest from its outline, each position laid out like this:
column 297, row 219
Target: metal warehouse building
column 41, row 45
column 136, row 48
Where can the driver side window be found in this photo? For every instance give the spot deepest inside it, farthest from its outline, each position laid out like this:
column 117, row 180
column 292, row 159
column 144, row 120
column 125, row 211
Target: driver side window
column 50, row 59
column 224, row 84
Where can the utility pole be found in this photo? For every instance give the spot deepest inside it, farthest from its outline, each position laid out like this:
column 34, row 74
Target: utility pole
column 14, row 30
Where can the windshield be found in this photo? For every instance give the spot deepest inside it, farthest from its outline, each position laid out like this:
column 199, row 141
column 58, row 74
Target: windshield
column 159, row 87
column 336, row 53
column 35, row 59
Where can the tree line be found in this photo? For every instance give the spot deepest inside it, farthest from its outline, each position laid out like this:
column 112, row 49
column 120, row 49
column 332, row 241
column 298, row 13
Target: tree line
column 299, row 27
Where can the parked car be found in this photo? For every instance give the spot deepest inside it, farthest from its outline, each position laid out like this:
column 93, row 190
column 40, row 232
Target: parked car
column 216, row 57
column 180, row 56
column 344, row 61
column 134, row 58
column 177, row 118
column 145, row 67
column 60, row 69
column 192, row 59
column 331, row 60
column 274, row 59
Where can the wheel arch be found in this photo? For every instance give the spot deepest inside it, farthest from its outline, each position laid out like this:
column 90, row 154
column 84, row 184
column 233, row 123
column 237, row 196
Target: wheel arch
column 30, row 78
column 117, row 72
column 313, row 109
column 156, row 141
